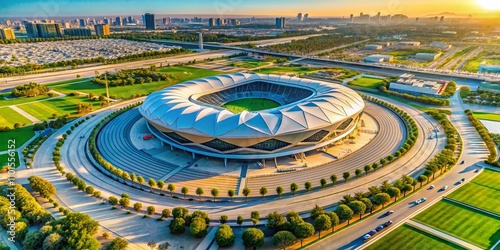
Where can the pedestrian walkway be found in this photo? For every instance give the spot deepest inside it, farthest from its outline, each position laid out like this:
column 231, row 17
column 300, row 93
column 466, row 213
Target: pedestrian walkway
column 442, row 235
column 25, row 114
column 207, row 241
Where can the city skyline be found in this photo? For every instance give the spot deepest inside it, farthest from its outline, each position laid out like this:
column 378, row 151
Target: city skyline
column 316, row 8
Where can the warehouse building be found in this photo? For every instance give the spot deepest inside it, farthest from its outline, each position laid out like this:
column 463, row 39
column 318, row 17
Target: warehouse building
column 427, row 56
column 373, row 47
column 379, row 58
column 440, row 45
column 409, row 85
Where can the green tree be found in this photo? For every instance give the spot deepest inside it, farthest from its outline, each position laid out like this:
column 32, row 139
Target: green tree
column 375, row 166
column 177, row 226
column 368, row 204
column 137, row 206
column 394, row 192
column 308, row 186
column 322, row 223
column 284, row 239
column 346, row 176
column 165, row 213
column 246, row 193
column 53, row 242
column 160, row 185
column 279, row 191
column 171, row 188
column 180, row 212
column 263, row 192
column 381, row 199
column 133, row 178
column 276, row 221
column 422, row 178
column 152, row 184
column 303, row 231
column 140, row 180
column 239, row 220
column 224, row 236
column 317, row 211
column 344, row 212
column 333, row 178
column 150, row 210
column 198, row 228
column 322, row 183
column 230, row 193
column 184, row 191
column 367, row 169
column 42, row 186
column 223, row 219
column 294, row 187
column 357, row 207
column 199, row 192
column 124, row 202
column 358, row 172
column 253, row 237
column 113, row 200
column 117, row 244
column 334, row 218
column 214, row 192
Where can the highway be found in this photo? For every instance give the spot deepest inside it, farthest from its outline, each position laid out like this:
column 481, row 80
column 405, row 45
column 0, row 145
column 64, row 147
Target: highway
column 43, row 78
column 475, row 152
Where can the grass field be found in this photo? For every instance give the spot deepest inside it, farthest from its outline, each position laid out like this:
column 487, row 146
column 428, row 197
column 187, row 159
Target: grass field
column 407, row 237
column 248, row 63
column 487, row 116
column 9, row 117
column 20, row 135
column 179, row 74
column 250, row 104
column 14, row 101
column 286, row 70
column 66, row 82
column 367, row 82
column 403, row 54
column 67, row 105
column 465, row 223
column 4, row 160
column 483, row 191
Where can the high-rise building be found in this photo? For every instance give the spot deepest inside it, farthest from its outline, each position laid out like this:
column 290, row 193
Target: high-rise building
column 102, row 30
column 166, row 20
column 211, row 22
column 49, row 30
column 77, row 32
column 351, row 18
column 306, row 16
column 442, row 19
column 234, row 22
column 280, row 23
column 82, row 23
column 200, row 41
column 31, row 29
column 7, row 34
column 150, row 21
column 67, row 25
column 299, row 17
column 118, row 21
column 364, row 18
column 219, row 22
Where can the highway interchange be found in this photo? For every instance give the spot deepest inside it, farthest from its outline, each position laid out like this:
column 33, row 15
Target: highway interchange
column 75, row 160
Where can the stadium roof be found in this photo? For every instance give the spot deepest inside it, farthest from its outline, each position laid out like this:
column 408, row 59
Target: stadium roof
column 176, row 108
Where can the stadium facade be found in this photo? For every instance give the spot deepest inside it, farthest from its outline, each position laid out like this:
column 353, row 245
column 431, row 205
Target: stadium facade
column 312, row 114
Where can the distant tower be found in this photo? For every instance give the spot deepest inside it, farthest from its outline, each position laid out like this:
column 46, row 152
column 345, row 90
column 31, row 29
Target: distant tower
column 200, row 41
column 442, row 19
column 351, row 18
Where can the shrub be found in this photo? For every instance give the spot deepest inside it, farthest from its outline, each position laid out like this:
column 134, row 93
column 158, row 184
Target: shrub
column 224, row 236
column 177, row 226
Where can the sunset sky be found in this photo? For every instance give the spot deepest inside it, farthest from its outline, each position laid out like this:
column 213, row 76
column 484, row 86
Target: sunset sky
column 55, row 8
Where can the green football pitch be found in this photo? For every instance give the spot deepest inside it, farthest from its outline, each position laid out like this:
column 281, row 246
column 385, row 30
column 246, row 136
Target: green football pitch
column 250, row 104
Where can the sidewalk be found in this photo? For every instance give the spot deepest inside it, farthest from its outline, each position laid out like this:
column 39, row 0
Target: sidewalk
column 442, row 235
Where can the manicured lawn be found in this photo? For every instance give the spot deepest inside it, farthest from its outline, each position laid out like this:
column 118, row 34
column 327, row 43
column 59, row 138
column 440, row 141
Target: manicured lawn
column 178, row 74
column 482, row 191
column 465, row 223
column 367, row 82
column 248, row 63
column 20, row 135
column 67, row 81
column 9, row 117
column 284, row 70
column 487, row 116
column 250, row 104
column 403, row 54
column 407, row 237
column 45, row 109
column 4, row 160
column 18, row 100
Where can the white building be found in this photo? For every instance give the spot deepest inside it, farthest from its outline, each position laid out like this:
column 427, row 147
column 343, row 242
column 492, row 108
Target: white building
column 408, row 84
column 440, row 45
column 373, row 47
column 379, row 58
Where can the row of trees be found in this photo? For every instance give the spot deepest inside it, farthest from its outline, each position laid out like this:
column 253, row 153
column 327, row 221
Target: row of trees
column 42, row 186
column 130, row 77
column 483, row 132
column 30, row 90
column 312, row 44
column 450, row 90
column 482, row 97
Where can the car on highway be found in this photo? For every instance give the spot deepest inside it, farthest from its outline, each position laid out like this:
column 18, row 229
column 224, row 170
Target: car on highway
column 444, row 188
column 389, row 213
column 477, row 170
column 462, row 162
column 420, row 200
column 366, row 237
column 82, row 136
column 462, row 180
column 372, row 232
column 431, row 187
column 380, row 227
column 388, row 223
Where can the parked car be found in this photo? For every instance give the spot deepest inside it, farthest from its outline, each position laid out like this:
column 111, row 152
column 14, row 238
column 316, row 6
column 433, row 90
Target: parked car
column 372, row 232
column 366, row 237
column 380, row 227
column 388, row 223
column 389, row 213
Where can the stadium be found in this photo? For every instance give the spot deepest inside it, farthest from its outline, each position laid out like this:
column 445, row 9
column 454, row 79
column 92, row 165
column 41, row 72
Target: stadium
column 247, row 116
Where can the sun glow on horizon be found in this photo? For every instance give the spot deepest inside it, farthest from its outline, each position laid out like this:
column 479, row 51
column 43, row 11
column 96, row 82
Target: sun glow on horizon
column 489, row 4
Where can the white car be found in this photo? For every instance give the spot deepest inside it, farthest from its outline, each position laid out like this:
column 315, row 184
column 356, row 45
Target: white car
column 417, row 201
column 366, row 237
column 444, row 188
